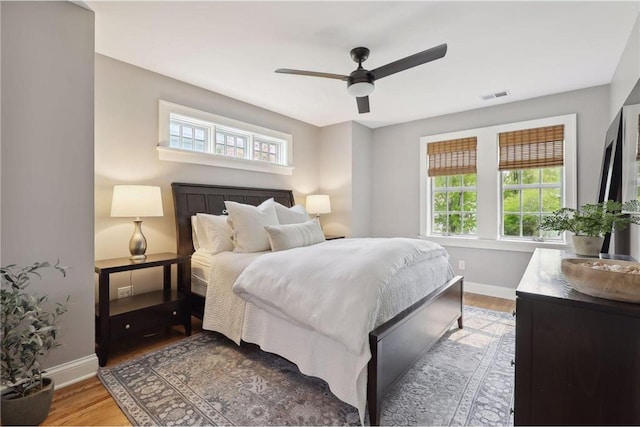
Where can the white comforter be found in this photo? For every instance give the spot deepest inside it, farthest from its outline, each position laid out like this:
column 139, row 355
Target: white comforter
column 328, row 286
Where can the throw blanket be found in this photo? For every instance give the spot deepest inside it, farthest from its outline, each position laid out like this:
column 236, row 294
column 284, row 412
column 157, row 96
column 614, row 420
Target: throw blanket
column 224, row 310
column 332, row 288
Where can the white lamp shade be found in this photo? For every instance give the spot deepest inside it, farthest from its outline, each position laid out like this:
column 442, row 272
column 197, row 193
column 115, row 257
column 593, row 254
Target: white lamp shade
column 136, row 201
column 318, row 204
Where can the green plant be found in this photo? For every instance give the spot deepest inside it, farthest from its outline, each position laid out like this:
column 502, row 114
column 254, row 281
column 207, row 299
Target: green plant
column 594, row 219
column 28, row 331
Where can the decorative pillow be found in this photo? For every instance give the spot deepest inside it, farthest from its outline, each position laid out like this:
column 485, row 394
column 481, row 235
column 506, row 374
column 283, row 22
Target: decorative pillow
column 288, row 236
column 247, row 223
column 293, row 215
column 216, row 232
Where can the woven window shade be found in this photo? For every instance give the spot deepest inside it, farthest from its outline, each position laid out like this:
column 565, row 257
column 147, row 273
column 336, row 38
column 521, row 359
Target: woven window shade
column 452, row 157
column 532, row 148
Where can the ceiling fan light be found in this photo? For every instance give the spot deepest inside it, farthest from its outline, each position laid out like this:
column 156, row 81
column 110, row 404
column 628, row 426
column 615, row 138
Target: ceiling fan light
column 360, row 89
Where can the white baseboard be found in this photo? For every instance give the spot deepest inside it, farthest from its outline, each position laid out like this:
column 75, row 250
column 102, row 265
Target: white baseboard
column 74, row 371
column 490, row 290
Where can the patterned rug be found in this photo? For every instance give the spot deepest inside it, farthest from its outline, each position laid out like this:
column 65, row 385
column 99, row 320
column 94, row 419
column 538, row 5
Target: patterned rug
column 465, row 379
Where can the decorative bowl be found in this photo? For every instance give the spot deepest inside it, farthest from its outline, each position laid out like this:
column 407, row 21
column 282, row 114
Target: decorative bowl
column 609, row 279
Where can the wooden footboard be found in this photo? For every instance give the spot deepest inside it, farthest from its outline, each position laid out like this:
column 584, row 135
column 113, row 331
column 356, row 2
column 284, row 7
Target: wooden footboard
column 397, row 344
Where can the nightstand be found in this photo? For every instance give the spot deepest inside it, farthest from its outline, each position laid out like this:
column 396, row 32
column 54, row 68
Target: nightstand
column 330, row 237
column 140, row 315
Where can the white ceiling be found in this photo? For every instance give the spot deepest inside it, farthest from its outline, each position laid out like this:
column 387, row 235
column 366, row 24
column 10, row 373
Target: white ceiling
column 232, row 48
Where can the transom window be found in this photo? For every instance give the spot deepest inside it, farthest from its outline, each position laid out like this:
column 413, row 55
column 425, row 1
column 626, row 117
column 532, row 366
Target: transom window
column 193, row 136
column 187, row 136
column 228, row 142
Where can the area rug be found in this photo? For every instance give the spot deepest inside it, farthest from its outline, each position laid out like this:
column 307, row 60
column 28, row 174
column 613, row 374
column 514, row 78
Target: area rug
column 465, row 379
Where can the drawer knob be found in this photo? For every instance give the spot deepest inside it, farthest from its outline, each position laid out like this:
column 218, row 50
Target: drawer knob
column 127, row 326
column 513, row 362
column 512, row 411
column 175, row 312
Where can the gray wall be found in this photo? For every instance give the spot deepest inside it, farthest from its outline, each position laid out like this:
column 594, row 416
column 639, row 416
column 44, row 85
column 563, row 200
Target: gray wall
column 47, row 156
column 345, row 174
column 395, row 160
column 125, row 153
column 627, row 71
column 362, row 138
column 335, row 177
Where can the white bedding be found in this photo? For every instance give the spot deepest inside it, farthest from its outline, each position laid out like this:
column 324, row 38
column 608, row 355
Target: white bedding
column 313, row 352
column 326, row 287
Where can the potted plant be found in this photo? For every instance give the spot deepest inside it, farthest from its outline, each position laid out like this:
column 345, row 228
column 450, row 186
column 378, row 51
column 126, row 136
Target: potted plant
column 589, row 223
column 28, row 332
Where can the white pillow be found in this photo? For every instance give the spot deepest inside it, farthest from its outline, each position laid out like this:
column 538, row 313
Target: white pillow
column 194, row 232
column 288, row 236
column 247, row 223
column 293, row 215
column 216, row 232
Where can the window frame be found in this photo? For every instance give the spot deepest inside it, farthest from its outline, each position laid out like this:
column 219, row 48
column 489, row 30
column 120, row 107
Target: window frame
column 225, row 125
column 488, row 185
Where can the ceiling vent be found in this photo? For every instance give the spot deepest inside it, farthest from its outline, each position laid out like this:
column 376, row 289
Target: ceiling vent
column 494, row 95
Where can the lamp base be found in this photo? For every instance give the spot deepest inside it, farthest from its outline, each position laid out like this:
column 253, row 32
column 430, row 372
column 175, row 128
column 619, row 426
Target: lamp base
column 138, row 243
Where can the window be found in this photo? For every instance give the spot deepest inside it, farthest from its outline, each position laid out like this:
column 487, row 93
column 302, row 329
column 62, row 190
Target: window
column 193, row 136
column 528, row 195
column 187, row 136
column 498, row 201
column 530, row 162
column 452, row 172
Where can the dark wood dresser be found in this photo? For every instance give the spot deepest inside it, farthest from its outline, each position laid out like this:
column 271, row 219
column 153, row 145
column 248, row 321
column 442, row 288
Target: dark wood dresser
column 577, row 357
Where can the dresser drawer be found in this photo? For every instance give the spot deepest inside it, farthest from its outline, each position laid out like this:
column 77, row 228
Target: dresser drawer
column 146, row 321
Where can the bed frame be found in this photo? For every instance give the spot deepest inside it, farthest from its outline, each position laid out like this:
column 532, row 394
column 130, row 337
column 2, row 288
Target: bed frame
column 395, row 345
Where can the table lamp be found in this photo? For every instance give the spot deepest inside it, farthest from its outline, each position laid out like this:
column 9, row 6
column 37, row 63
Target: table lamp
column 318, row 204
column 136, row 201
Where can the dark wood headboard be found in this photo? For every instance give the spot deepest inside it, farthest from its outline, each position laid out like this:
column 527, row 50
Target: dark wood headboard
column 190, row 199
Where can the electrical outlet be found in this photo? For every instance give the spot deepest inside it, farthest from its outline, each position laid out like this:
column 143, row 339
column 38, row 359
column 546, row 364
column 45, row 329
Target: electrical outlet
column 461, row 265
column 125, row 291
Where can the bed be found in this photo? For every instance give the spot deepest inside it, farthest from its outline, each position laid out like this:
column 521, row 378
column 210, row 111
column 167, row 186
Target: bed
column 394, row 345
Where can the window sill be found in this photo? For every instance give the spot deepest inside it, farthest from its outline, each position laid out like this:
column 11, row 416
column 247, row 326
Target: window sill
column 499, row 245
column 184, row 156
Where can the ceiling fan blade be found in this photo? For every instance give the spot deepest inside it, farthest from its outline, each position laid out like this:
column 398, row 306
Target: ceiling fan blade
column 363, row 104
column 312, row 74
column 410, row 61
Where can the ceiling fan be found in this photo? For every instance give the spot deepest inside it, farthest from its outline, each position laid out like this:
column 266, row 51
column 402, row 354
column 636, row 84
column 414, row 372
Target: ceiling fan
column 360, row 83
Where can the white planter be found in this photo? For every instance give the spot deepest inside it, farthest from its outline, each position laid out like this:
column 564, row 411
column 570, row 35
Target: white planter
column 587, row 245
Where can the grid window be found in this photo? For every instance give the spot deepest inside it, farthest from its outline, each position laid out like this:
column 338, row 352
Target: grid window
column 231, row 144
column 528, row 195
column 266, row 151
column 454, row 200
column 187, row 136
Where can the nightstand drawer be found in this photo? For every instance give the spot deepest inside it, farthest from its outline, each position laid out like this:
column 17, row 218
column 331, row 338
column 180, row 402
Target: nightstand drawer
column 146, row 321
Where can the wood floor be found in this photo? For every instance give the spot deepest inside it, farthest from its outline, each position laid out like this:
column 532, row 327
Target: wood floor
column 89, row 403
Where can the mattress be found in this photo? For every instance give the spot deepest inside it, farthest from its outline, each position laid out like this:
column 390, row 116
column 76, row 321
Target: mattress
column 200, row 271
